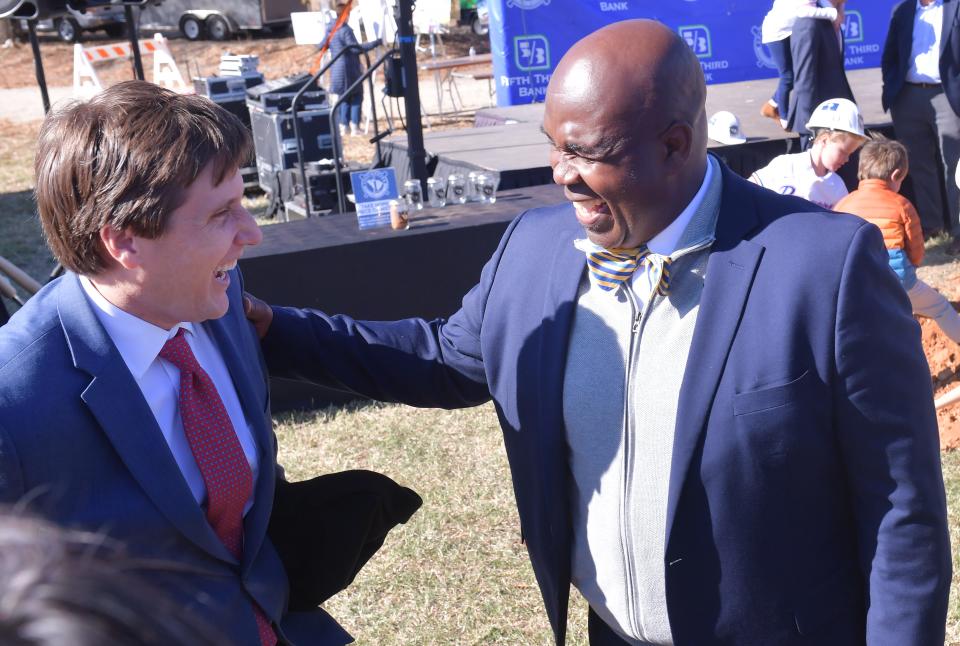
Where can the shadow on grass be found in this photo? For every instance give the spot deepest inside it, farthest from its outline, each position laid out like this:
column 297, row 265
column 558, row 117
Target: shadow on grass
column 21, row 240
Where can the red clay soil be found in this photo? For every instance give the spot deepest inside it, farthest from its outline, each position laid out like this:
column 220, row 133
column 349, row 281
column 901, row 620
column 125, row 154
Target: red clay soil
column 943, row 355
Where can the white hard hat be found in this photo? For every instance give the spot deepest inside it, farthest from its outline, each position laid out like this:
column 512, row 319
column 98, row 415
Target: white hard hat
column 838, row 114
column 725, row 128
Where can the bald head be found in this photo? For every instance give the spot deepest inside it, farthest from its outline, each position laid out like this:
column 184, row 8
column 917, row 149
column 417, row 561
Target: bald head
column 630, row 70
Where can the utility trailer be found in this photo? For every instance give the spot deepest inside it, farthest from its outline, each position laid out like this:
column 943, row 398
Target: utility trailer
column 218, row 19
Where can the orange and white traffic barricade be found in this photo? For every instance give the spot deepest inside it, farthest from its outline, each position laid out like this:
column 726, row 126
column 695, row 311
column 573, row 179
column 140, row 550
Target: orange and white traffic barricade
column 86, row 83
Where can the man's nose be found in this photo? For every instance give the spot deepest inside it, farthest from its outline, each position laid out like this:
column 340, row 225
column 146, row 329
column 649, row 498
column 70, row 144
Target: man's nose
column 249, row 233
column 564, row 173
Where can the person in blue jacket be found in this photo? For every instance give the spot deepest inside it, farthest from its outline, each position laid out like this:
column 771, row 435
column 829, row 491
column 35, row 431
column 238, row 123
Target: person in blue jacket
column 346, row 70
column 693, row 379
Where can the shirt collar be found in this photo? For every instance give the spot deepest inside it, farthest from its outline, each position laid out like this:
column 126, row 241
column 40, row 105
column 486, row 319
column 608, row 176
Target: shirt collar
column 138, row 341
column 665, row 242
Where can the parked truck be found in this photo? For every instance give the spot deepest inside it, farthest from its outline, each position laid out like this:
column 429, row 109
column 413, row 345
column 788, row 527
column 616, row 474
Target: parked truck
column 218, row 19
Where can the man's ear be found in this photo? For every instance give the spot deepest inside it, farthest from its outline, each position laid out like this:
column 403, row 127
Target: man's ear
column 678, row 141
column 120, row 246
column 898, row 175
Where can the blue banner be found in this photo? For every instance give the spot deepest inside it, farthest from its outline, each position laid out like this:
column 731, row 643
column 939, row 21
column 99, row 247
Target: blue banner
column 528, row 37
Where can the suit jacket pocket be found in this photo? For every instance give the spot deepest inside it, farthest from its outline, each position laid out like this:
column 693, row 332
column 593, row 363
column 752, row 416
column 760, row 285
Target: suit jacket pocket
column 756, row 401
column 782, row 420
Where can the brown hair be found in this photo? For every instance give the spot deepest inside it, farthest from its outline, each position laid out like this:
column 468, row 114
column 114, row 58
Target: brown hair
column 880, row 157
column 833, row 135
column 125, row 159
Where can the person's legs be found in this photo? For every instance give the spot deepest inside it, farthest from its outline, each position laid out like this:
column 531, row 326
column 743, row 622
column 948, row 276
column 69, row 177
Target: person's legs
column 948, row 136
column 926, row 301
column 914, row 123
column 780, row 52
column 356, row 103
column 343, row 116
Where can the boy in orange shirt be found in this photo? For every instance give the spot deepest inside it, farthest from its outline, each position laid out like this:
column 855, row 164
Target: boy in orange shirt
column 883, row 167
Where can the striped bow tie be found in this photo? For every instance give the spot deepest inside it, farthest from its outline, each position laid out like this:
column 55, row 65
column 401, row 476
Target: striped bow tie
column 612, row 267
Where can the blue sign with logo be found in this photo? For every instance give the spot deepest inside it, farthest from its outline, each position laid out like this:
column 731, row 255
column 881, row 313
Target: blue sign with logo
column 528, row 37
column 372, row 191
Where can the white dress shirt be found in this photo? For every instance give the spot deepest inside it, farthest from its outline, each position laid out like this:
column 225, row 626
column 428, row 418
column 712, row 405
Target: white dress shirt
column 925, row 50
column 139, row 343
column 665, row 242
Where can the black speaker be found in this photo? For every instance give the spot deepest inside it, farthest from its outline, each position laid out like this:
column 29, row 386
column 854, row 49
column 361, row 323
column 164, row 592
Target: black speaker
column 393, row 73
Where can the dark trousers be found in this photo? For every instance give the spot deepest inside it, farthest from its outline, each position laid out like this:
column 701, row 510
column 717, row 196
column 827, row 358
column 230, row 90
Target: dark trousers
column 600, row 634
column 780, row 52
column 925, row 123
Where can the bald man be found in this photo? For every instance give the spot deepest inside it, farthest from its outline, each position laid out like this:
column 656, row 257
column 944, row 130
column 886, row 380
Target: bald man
column 714, row 401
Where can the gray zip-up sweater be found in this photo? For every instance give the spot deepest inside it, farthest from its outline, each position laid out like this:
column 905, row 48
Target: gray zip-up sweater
column 626, row 361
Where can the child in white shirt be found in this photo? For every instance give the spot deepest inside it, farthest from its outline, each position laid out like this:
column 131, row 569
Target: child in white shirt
column 838, row 129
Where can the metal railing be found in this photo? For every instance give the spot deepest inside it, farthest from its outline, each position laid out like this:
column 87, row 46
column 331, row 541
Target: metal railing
column 334, row 131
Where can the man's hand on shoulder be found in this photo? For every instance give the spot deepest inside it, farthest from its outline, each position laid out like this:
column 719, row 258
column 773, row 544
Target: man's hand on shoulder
column 258, row 312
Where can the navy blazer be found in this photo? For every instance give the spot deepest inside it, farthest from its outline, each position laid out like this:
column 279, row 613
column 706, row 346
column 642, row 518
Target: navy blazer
column 895, row 60
column 80, row 446
column 806, row 503
column 818, row 70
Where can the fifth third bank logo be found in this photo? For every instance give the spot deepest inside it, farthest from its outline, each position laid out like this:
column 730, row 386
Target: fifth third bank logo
column 526, row 4
column 698, row 38
column 852, row 27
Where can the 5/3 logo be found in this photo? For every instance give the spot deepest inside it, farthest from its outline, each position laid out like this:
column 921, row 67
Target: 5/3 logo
column 531, row 52
column 698, row 38
column 852, row 27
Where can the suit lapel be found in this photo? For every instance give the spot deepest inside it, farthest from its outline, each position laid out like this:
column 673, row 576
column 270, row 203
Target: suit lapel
column 949, row 18
column 227, row 333
column 558, row 310
column 730, row 270
column 116, row 402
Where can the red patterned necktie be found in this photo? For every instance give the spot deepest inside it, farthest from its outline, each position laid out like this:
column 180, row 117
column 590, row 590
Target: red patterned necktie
column 219, row 456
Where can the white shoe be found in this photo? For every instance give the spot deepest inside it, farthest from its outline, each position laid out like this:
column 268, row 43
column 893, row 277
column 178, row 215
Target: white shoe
column 354, row 130
column 343, row 130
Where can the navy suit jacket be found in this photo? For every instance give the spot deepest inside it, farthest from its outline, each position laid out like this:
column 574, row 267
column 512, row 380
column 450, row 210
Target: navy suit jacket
column 80, row 446
column 806, row 502
column 818, row 70
column 895, row 60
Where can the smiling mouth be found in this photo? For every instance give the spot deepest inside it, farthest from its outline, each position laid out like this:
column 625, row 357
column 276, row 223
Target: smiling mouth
column 220, row 273
column 589, row 212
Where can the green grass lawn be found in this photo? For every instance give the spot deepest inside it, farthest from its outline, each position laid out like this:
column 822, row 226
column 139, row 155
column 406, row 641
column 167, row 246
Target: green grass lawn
column 456, row 573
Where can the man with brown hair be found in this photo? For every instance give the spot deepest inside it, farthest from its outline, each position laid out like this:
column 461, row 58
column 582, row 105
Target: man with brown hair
column 133, row 398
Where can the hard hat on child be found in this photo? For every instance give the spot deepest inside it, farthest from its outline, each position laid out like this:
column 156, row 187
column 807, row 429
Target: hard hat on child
column 838, row 114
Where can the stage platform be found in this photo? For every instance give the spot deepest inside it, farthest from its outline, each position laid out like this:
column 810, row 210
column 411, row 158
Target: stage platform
column 379, row 274
column 508, row 140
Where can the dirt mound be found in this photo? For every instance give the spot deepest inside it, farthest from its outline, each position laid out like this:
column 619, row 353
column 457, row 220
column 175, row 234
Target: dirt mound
column 943, row 355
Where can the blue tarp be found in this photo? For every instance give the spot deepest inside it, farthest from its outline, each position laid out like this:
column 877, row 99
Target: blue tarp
column 528, row 37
